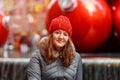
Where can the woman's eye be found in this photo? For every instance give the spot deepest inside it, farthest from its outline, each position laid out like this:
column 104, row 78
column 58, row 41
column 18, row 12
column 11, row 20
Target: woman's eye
column 57, row 32
column 65, row 34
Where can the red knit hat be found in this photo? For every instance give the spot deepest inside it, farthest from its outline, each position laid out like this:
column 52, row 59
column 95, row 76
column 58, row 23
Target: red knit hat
column 60, row 22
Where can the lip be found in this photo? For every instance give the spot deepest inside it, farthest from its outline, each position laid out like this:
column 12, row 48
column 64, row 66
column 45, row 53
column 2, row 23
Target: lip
column 60, row 40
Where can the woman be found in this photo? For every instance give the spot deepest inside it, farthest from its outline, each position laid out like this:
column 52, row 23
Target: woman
column 56, row 58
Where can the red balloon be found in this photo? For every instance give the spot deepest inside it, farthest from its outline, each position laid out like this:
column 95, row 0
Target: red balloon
column 116, row 17
column 3, row 31
column 91, row 21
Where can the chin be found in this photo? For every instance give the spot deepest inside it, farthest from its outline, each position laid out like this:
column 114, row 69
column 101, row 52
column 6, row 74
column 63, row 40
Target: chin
column 60, row 46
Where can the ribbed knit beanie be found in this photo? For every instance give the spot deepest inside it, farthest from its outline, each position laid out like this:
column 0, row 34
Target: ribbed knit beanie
column 60, row 22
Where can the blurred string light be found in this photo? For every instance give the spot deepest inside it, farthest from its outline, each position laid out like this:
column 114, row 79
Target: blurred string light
column 1, row 4
column 38, row 8
column 8, row 6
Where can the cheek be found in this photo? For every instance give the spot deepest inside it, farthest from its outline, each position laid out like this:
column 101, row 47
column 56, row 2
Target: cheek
column 66, row 39
column 55, row 37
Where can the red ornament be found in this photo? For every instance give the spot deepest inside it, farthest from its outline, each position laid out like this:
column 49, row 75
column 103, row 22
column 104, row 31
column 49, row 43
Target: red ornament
column 116, row 18
column 3, row 31
column 91, row 21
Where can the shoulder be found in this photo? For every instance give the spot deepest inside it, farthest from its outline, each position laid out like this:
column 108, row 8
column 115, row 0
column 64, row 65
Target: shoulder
column 78, row 56
column 36, row 53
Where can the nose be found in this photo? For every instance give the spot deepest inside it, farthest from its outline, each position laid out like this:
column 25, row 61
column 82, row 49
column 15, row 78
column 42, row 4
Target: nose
column 61, row 35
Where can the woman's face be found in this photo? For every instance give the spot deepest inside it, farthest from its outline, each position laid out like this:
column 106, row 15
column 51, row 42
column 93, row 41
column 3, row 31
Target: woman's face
column 60, row 38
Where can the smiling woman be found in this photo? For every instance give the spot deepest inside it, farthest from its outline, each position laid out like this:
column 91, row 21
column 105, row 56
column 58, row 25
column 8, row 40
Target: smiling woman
column 56, row 57
column 60, row 38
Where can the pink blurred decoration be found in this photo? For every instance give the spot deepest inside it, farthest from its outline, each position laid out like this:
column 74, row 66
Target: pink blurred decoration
column 91, row 21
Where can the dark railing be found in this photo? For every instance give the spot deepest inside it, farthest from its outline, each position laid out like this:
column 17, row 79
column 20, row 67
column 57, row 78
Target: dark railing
column 94, row 68
column 101, row 69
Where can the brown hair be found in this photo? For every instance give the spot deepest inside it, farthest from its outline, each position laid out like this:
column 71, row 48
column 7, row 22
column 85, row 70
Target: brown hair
column 67, row 53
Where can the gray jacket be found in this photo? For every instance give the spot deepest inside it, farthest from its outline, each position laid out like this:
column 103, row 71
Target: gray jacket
column 38, row 69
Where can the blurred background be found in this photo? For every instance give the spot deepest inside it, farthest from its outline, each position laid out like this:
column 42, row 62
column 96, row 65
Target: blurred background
column 27, row 22
column 96, row 30
column 96, row 34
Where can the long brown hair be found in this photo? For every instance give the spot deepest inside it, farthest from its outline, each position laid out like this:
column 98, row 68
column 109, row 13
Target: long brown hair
column 67, row 53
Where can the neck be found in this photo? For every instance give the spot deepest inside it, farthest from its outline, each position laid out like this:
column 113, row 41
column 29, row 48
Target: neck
column 58, row 49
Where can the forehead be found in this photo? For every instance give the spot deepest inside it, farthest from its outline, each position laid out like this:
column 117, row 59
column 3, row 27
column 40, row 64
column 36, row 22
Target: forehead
column 61, row 30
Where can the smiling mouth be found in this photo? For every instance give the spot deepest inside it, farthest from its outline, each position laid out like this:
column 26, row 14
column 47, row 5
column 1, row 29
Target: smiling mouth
column 59, row 41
